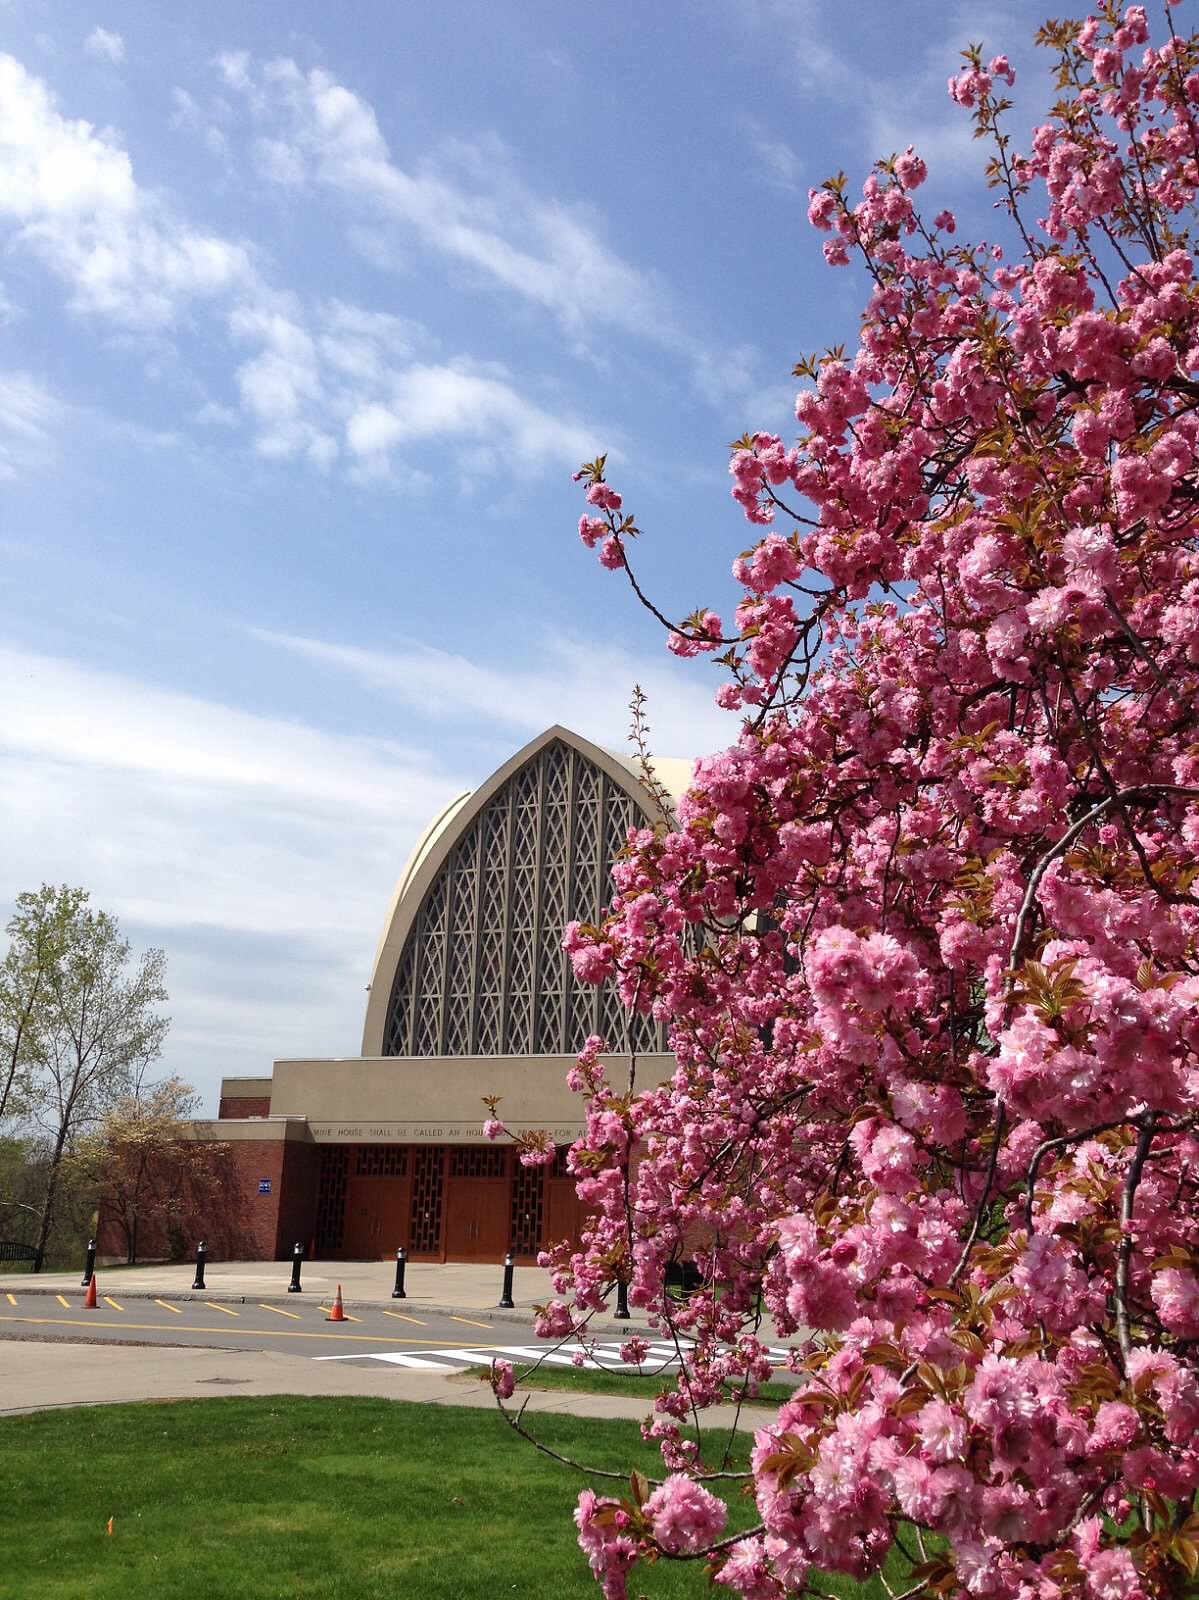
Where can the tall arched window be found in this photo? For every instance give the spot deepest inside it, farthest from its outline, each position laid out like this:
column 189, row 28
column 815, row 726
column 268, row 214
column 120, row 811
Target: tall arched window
column 483, row 971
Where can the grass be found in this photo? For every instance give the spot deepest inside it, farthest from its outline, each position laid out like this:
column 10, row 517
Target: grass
column 633, row 1385
column 341, row 1499
column 57, row 1269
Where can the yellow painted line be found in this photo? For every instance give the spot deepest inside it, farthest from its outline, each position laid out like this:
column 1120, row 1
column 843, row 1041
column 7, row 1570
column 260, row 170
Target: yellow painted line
column 400, row 1317
column 63, row 1301
column 240, row 1333
column 279, row 1312
column 11, row 1298
column 473, row 1323
column 345, row 1316
column 217, row 1306
column 108, row 1300
column 167, row 1306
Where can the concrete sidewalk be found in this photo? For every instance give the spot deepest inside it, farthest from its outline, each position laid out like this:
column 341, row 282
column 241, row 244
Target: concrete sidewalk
column 45, row 1376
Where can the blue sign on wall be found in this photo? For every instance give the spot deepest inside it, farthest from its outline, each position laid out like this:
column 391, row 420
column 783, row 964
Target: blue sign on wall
column 264, row 1186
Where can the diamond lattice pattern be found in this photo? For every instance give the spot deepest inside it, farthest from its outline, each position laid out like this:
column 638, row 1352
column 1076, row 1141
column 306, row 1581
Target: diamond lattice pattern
column 483, row 972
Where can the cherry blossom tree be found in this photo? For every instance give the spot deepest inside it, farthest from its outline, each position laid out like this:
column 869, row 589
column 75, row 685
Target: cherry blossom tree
column 925, row 934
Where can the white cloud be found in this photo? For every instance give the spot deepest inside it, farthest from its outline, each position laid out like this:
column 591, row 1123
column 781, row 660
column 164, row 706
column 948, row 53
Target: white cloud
column 188, row 114
column 105, row 46
column 820, row 68
column 71, row 197
column 346, row 381
column 321, row 382
column 278, row 162
column 29, row 414
column 456, row 402
column 259, row 852
column 579, row 682
column 462, row 201
column 233, row 66
column 280, row 384
column 780, row 164
column 214, row 415
column 59, row 710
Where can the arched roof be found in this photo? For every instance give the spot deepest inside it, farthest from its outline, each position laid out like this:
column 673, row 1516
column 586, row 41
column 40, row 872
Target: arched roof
column 454, row 823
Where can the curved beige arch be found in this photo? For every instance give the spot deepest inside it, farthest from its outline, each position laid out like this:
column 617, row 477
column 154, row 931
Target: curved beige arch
column 444, row 832
column 415, row 856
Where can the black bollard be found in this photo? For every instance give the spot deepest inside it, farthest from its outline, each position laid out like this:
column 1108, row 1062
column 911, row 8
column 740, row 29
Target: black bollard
column 398, row 1293
column 201, row 1257
column 297, row 1256
column 89, row 1265
column 622, row 1301
column 506, row 1300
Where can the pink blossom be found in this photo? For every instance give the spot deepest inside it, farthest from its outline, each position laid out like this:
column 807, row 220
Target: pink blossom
column 1175, row 1293
column 611, row 554
column 922, row 935
column 910, row 169
column 684, row 1516
column 942, row 1432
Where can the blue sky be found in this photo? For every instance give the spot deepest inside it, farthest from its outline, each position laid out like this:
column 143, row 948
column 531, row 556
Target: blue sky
column 307, row 314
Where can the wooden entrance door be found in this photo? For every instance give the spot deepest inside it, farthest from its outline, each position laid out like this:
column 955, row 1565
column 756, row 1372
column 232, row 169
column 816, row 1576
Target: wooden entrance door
column 378, row 1186
column 565, row 1214
column 477, row 1204
column 376, row 1217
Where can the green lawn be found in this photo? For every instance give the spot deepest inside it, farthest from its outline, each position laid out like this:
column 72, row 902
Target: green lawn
column 588, row 1380
column 354, row 1499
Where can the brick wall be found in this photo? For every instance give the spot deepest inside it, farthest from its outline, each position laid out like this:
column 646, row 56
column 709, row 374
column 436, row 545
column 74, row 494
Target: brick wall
column 235, row 1107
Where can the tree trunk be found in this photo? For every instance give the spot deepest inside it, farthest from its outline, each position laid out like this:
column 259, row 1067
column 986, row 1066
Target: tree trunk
column 50, row 1197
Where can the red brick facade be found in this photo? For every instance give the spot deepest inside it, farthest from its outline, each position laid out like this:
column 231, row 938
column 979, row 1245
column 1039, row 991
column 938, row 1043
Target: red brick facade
column 235, row 1107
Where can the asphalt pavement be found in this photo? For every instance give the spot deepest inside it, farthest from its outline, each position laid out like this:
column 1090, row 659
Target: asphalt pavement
column 241, row 1324
column 368, row 1334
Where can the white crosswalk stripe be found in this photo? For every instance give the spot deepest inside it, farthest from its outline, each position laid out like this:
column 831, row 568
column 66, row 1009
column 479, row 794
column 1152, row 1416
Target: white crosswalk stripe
column 661, row 1357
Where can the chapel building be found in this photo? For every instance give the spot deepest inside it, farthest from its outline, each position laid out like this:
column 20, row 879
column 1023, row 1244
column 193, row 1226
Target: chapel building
column 470, row 995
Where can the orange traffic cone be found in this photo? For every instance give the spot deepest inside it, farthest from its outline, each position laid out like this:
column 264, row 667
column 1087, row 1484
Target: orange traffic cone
column 89, row 1299
column 337, row 1312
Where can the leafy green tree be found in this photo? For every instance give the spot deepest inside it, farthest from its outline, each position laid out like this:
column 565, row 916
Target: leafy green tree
column 38, row 932
column 88, row 1023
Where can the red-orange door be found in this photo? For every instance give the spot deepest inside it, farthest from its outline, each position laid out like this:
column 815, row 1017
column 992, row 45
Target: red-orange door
column 376, row 1217
column 565, row 1216
column 476, row 1219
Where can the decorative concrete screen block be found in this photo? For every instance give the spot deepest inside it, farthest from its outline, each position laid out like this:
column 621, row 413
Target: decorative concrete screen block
column 483, row 971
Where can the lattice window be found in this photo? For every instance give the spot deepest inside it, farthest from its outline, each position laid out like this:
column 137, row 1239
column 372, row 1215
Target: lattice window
column 331, row 1198
column 478, row 1161
column 428, row 1192
column 558, row 1167
column 381, row 1161
column 483, row 971
column 528, row 1209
